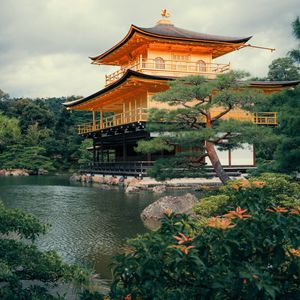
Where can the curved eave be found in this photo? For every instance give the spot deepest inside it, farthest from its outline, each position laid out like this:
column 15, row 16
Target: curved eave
column 134, row 29
column 129, row 73
column 273, row 84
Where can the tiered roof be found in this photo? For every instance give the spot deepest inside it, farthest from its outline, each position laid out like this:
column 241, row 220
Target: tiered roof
column 168, row 33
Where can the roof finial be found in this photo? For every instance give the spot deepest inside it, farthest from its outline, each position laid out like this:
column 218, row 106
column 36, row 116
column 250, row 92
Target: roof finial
column 165, row 13
column 165, row 17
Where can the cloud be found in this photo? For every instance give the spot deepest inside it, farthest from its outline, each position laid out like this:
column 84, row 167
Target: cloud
column 45, row 44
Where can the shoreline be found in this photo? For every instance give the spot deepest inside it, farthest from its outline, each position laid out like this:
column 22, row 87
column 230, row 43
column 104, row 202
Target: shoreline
column 132, row 184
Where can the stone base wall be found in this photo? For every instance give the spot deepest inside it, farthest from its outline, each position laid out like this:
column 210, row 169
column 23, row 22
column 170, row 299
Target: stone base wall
column 132, row 184
column 14, row 172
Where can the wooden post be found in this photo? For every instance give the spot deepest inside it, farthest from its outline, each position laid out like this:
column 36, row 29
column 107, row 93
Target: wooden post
column 101, row 119
column 135, row 116
column 141, row 62
column 124, row 113
column 254, row 156
column 129, row 108
column 102, row 158
column 94, row 152
column 98, row 155
column 94, row 120
column 124, row 148
column 229, row 157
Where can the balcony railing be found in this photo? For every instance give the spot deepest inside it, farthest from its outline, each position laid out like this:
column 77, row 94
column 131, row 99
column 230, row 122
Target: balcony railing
column 169, row 67
column 265, row 118
column 140, row 114
column 137, row 115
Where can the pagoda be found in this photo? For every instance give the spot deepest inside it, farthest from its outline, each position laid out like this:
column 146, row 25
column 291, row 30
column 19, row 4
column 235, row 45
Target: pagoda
column 147, row 59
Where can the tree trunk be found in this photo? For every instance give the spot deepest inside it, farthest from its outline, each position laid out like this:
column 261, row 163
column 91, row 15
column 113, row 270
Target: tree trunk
column 212, row 154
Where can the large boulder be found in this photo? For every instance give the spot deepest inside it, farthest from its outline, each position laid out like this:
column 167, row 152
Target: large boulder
column 180, row 204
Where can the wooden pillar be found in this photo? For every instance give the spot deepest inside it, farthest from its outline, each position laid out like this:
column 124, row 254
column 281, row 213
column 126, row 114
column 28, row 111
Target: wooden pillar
column 141, row 62
column 124, row 113
column 102, row 158
column 101, row 119
column 124, row 148
column 94, row 120
column 229, row 157
column 94, row 152
column 97, row 155
column 254, row 156
column 130, row 112
column 148, row 156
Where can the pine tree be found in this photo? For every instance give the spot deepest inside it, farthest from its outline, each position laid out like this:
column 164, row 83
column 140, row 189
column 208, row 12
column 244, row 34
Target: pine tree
column 190, row 123
column 295, row 53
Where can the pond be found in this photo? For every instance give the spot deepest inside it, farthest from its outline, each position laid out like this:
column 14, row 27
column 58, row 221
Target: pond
column 88, row 225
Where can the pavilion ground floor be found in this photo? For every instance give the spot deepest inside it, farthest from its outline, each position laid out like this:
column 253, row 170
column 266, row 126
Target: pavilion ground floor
column 114, row 153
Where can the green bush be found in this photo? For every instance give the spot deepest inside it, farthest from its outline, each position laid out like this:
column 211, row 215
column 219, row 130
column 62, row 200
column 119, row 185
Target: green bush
column 248, row 248
column 21, row 261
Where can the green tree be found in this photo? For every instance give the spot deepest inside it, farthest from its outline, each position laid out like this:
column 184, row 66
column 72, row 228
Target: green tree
column 35, row 136
column 244, row 244
column 287, row 152
column 10, row 132
column 21, row 260
column 295, row 53
column 191, row 123
column 84, row 155
column 32, row 159
column 283, row 69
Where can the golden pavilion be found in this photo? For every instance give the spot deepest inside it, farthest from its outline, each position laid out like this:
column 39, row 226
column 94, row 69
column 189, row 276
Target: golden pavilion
column 147, row 59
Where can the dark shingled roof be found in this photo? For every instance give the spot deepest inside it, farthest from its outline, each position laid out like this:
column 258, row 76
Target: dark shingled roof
column 169, row 30
column 130, row 73
column 274, row 83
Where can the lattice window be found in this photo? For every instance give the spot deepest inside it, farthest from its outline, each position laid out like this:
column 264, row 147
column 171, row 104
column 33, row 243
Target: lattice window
column 159, row 63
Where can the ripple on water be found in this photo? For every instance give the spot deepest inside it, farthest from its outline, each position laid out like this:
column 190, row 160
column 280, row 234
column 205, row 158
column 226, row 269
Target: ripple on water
column 88, row 225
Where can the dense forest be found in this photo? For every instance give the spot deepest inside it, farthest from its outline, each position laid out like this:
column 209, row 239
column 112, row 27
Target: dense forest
column 40, row 134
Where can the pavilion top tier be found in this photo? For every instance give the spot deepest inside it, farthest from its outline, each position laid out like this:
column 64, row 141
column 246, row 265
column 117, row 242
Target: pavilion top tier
column 165, row 37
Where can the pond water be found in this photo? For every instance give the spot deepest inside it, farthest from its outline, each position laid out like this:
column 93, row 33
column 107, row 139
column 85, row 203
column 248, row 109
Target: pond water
column 88, row 225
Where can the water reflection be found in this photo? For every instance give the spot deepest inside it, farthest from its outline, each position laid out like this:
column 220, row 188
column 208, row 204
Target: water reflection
column 88, row 225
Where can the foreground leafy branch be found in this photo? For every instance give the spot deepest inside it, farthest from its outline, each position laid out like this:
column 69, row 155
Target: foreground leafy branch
column 25, row 271
column 244, row 244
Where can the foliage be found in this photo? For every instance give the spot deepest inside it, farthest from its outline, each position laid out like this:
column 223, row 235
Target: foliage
column 295, row 53
column 248, row 248
column 9, row 131
column 193, row 127
column 42, row 123
column 28, row 158
column 22, row 261
column 283, row 69
column 84, row 155
column 283, row 150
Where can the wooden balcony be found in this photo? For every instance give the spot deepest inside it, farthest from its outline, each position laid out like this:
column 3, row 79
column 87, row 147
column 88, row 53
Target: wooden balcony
column 137, row 115
column 140, row 115
column 169, row 68
column 265, row 118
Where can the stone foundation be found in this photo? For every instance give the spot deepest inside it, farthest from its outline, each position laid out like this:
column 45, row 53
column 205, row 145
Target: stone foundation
column 14, row 172
column 132, row 184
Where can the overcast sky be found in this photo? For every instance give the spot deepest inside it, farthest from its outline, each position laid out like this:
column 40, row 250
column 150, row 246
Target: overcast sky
column 45, row 44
